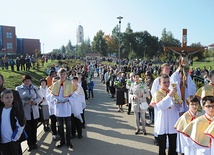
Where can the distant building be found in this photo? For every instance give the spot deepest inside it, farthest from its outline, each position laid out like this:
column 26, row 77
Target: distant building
column 10, row 44
column 7, row 39
column 80, row 35
column 28, row 46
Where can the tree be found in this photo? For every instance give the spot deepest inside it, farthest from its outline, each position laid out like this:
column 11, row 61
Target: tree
column 69, row 48
column 112, row 46
column 115, row 34
column 99, row 43
column 128, row 29
column 144, row 44
column 132, row 55
column 200, row 55
column 63, row 50
column 168, row 39
column 56, row 51
column 83, row 48
column 128, row 42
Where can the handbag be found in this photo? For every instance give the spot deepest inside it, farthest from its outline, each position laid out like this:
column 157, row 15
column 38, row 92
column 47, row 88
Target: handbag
column 144, row 105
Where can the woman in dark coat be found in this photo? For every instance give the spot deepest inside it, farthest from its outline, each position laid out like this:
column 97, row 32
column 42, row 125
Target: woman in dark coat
column 120, row 99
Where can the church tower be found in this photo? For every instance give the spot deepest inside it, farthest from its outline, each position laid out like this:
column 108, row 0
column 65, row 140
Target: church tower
column 80, row 35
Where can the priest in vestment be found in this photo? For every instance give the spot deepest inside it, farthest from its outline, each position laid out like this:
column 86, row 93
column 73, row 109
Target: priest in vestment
column 185, row 85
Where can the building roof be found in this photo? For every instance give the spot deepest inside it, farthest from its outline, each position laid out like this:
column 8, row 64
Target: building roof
column 211, row 45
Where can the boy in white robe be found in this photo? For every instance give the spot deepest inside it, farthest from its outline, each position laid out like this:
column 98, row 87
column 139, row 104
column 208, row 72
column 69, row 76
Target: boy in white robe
column 51, row 105
column 193, row 103
column 206, row 90
column 210, row 133
column 167, row 114
column 165, row 69
column 197, row 142
column 62, row 99
column 80, row 104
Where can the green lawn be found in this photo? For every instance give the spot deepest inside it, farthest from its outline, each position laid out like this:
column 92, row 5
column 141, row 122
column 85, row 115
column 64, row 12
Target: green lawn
column 14, row 78
column 202, row 64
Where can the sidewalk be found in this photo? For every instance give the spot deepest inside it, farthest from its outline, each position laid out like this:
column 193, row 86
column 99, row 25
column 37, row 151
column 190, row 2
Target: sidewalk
column 107, row 132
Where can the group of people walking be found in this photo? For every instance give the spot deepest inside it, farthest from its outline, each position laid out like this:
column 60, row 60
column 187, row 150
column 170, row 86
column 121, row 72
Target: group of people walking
column 172, row 101
column 173, row 104
column 59, row 98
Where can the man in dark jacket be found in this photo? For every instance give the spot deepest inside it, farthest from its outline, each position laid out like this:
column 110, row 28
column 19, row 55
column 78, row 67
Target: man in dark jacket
column 22, row 62
column 12, row 63
column 18, row 63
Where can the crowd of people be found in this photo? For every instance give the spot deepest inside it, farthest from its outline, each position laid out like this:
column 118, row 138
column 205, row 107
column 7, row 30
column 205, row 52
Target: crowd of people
column 60, row 98
column 172, row 102
column 22, row 63
column 171, row 99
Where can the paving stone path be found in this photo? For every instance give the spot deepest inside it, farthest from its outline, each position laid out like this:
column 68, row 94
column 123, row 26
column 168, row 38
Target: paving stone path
column 107, row 132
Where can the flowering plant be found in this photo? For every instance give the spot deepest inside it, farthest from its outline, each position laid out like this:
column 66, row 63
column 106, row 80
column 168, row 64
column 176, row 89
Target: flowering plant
column 140, row 84
column 117, row 84
column 26, row 98
column 128, row 82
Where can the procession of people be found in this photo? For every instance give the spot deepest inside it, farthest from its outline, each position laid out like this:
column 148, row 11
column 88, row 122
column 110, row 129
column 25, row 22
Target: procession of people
column 63, row 102
column 173, row 104
column 171, row 100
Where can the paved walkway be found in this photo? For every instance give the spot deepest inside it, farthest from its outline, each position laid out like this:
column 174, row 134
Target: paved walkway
column 107, row 132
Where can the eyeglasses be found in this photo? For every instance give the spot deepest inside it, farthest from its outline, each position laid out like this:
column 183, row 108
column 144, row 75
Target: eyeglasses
column 209, row 106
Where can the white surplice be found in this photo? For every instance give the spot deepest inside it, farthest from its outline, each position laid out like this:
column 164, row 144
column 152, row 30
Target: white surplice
column 79, row 104
column 64, row 106
column 194, row 149
column 167, row 116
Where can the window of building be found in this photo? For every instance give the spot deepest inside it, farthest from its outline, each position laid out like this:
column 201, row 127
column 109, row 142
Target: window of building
column 8, row 34
column 9, row 46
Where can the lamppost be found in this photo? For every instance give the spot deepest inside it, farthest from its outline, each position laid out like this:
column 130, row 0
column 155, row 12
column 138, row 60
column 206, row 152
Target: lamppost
column 130, row 50
column 43, row 48
column 119, row 37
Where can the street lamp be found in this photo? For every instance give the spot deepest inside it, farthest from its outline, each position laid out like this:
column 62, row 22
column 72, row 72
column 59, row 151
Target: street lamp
column 43, row 48
column 130, row 51
column 119, row 37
